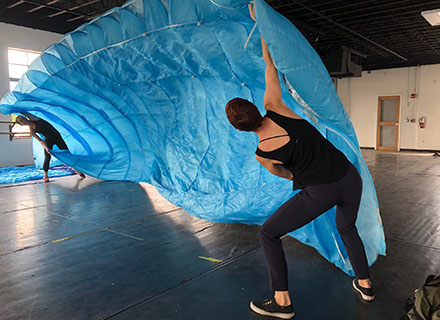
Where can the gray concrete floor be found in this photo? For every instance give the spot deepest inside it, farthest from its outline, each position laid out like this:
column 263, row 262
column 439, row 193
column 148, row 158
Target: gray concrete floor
column 89, row 249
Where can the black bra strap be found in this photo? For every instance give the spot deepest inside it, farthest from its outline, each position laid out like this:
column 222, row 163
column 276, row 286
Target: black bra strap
column 283, row 135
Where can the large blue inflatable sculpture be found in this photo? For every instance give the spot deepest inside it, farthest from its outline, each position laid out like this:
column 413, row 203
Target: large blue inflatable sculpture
column 139, row 94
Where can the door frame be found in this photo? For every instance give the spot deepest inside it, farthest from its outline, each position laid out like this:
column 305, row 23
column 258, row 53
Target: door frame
column 397, row 123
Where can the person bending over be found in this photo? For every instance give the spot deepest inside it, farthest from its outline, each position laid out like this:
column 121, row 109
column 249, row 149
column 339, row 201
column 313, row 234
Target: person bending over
column 51, row 137
column 291, row 148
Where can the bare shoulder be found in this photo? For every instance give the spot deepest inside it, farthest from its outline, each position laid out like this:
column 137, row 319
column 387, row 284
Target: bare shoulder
column 266, row 162
column 281, row 108
column 261, row 159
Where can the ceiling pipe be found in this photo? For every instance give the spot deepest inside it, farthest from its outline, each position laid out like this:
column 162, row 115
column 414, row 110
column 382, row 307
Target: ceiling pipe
column 60, row 11
column 43, row 6
column 85, row 4
column 351, row 31
column 15, row 4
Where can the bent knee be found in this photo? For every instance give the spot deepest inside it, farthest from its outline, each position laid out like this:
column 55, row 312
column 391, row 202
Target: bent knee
column 344, row 229
column 266, row 231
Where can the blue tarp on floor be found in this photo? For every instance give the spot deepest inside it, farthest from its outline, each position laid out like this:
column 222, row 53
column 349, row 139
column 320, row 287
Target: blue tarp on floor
column 20, row 174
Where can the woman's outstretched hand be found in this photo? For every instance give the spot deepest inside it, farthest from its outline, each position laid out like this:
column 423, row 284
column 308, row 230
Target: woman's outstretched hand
column 252, row 11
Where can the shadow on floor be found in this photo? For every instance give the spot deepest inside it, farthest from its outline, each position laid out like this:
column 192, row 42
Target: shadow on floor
column 87, row 249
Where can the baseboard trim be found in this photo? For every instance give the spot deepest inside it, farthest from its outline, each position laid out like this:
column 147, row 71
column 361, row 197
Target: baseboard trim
column 420, row 150
column 406, row 150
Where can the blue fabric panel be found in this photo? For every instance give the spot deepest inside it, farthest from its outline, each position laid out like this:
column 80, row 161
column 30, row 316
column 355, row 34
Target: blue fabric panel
column 38, row 152
column 26, row 173
column 139, row 94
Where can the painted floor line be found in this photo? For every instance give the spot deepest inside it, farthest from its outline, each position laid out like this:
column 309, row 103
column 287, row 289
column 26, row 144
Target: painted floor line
column 49, row 242
column 413, row 244
column 183, row 281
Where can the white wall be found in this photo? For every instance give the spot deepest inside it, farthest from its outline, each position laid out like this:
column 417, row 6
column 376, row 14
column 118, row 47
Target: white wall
column 429, row 106
column 17, row 151
column 360, row 99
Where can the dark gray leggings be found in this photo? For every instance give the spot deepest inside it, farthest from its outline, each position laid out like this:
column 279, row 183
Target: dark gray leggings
column 304, row 207
column 50, row 143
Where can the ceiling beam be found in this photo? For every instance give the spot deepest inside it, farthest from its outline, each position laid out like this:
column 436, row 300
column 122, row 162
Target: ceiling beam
column 84, row 4
column 59, row 10
column 15, row 4
column 42, row 6
column 350, row 30
column 385, row 9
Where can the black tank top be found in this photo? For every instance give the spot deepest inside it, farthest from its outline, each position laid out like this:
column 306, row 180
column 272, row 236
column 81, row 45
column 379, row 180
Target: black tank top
column 310, row 157
column 47, row 130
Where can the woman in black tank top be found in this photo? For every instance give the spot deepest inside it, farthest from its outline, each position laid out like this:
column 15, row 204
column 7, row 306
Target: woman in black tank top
column 291, row 148
column 51, row 137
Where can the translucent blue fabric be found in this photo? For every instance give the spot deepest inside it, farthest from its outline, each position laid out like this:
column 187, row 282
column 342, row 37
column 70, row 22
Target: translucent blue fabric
column 38, row 152
column 139, row 94
column 20, row 174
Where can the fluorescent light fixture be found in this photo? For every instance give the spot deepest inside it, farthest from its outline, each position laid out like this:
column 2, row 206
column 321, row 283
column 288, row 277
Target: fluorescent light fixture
column 76, row 18
column 15, row 4
column 432, row 16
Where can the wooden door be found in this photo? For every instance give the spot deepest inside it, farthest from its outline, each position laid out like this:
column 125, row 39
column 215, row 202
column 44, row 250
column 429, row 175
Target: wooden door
column 388, row 123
